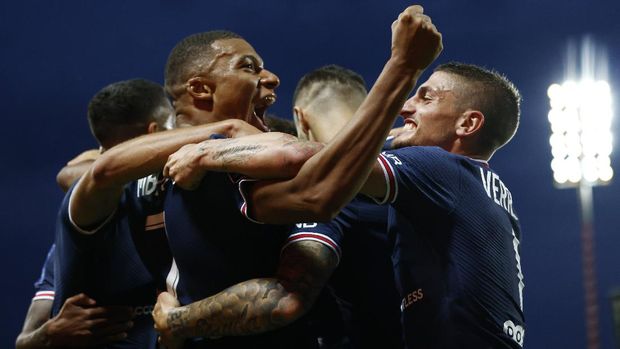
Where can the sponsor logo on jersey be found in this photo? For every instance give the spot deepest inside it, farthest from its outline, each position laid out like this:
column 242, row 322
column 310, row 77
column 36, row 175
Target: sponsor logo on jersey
column 411, row 298
column 516, row 332
column 143, row 310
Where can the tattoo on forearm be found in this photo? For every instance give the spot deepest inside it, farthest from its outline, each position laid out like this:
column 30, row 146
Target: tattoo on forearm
column 261, row 305
column 178, row 322
column 230, row 154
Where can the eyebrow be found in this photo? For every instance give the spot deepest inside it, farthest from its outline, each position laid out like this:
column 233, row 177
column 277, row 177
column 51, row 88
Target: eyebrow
column 254, row 59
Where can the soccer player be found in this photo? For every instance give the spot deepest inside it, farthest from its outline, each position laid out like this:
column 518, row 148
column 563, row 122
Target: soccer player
column 324, row 101
column 73, row 325
column 122, row 262
column 454, row 231
column 415, row 44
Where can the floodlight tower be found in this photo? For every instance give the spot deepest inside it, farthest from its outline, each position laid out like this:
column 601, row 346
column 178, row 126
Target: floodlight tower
column 581, row 145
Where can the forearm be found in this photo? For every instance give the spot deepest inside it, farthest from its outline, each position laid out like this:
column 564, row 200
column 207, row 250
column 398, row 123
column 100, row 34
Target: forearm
column 330, row 179
column 71, row 173
column 266, row 155
column 250, row 307
column 260, row 305
column 147, row 154
column 34, row 338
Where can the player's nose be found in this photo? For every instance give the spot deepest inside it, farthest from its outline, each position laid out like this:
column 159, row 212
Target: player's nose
column 269, row 79
column 408, row 108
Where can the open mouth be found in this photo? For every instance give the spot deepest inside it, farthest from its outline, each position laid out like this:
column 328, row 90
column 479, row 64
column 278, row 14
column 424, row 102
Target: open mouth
column 261, row 107
column 410, row 124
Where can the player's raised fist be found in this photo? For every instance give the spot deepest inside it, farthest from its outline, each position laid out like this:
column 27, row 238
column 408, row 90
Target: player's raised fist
column 415, row 40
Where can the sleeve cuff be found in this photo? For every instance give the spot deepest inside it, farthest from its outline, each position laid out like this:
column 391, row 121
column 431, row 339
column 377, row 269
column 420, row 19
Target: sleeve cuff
column 244, row 205
column 312, row 236
column 43, row 295
column 391, row 191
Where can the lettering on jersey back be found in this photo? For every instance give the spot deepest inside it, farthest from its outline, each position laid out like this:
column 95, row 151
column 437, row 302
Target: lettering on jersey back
column 497, row 190
column 147, row 185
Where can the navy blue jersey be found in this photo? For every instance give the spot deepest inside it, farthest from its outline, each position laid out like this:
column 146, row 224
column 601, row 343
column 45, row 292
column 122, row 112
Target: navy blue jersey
column 121, row 262
column 364, row 280
column 44, row 286
column 215, row 246
column 456, row 257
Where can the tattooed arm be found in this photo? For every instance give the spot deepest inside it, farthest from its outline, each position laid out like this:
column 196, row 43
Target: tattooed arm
column 97, row 193
column 266, row 155
column 252, row 306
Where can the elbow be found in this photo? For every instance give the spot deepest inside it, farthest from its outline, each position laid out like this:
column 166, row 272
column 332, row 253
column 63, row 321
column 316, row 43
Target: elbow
column 290, row 310
column 101, row 173
column 320, row 204
column 63, row 180
column 295, row 156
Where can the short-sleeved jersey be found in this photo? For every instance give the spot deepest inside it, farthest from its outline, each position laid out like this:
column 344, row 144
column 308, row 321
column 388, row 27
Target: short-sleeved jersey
column 215, row 246
column 456, row 259
column 44, row 286
column 122, row 262
column 364, row 279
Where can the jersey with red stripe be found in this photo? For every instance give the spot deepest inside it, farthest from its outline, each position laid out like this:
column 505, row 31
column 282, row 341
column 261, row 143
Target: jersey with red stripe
column 122, row 262
column 455, row 238
column 215, row 246
column 364, row 280
column 44, row 286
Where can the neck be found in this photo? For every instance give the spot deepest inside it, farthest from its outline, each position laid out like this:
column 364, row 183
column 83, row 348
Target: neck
column 326, row 125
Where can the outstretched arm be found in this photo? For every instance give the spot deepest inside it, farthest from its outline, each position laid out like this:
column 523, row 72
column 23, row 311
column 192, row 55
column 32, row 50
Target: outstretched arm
column 252, row 306
column 331, row 178
column 97, row 194
column 265, row 155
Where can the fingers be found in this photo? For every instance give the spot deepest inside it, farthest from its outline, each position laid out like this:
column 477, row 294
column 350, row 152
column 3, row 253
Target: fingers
column 167, row 298
column 81, row 300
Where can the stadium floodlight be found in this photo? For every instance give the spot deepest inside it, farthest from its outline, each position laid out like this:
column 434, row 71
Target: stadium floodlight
column 581, row 138
column 581, row 144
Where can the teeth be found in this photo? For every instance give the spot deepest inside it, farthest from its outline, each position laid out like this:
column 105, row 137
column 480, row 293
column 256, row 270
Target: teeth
column 269, row 100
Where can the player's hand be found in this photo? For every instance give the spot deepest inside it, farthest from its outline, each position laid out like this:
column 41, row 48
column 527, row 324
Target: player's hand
column 415, row 40
column 88, row 155
column 81, row 323
column 183, row 166
column 166, row 303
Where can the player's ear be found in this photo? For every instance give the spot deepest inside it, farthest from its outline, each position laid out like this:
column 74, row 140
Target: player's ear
column 200, row 88
column 153, row 127
column 469, row 123
column 301, row 123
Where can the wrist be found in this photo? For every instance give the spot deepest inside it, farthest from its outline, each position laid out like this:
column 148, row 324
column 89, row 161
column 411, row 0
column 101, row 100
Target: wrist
column 48, row 333
column 176, row 323
column 404, row 66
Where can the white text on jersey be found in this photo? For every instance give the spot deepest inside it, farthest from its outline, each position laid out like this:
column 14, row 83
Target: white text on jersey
column 497, row 191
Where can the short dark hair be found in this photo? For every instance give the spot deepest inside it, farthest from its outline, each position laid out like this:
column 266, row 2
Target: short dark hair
column 123, row 110
column 492, row 94
column 345, row 80
column 190, row 53
column 278, row 124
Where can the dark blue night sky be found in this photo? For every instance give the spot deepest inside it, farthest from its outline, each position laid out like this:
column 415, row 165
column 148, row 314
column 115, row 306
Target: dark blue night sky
column 57, row 54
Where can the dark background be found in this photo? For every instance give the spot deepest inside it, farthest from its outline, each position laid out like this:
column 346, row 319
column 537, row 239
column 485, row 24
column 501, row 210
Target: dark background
column 57, row 54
